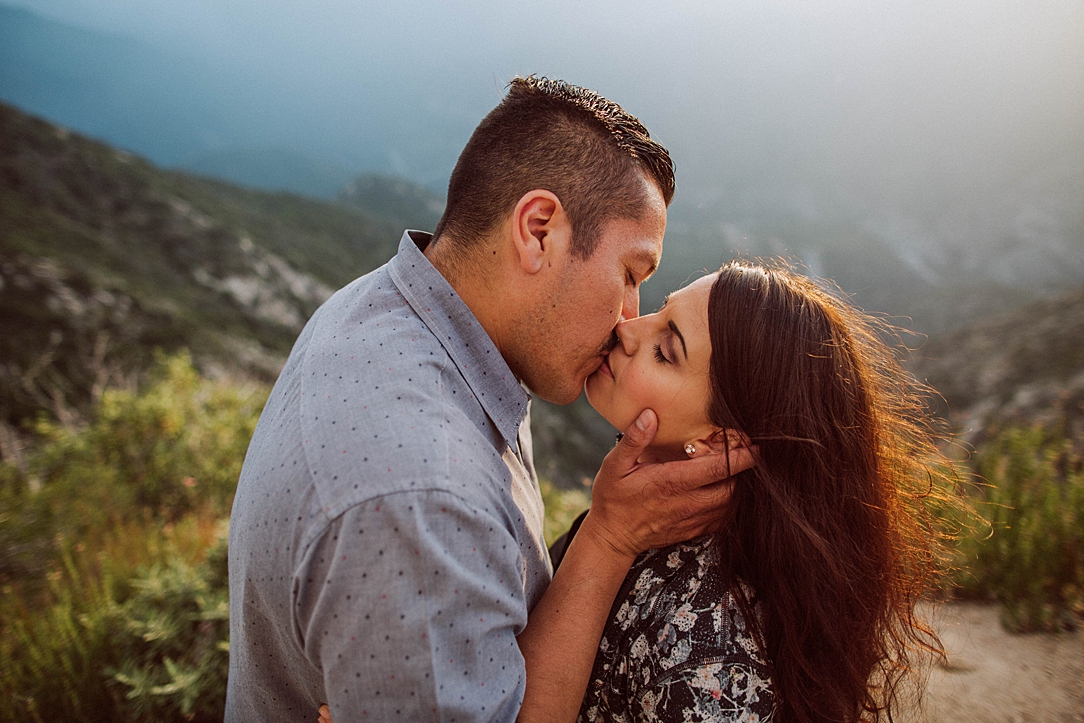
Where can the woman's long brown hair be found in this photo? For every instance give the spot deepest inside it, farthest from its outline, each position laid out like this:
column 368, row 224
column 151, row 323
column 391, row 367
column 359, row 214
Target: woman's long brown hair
column 831, row 528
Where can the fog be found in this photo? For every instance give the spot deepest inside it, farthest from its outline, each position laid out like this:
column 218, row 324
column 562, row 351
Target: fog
column 951, row 133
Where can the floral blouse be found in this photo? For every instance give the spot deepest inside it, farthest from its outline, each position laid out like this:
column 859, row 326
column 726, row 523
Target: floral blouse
column 677, row 647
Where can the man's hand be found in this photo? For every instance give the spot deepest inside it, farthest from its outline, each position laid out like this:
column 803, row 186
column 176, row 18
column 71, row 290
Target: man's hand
column 634, row 507
column 639, row 507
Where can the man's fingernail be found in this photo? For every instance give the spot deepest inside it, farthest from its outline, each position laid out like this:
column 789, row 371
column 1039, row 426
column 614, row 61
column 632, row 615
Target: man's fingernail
column 642, row 420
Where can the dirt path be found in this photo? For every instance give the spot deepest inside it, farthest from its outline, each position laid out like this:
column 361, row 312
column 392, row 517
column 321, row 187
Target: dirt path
column 995, row 677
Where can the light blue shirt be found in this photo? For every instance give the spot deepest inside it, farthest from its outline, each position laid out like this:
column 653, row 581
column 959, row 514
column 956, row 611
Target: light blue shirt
column 386, row 537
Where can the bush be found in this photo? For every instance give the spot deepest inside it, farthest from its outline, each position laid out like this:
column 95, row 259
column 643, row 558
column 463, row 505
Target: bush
column 178, row 444
column 156, row 455
column 112, row 555
column 153, row 647
column 172, row 640
column 562, row 509
column 1030, row 558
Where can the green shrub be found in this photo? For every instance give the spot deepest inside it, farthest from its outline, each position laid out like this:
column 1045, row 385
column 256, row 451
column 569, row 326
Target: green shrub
column 1031, row 557
column 150, row 648
column 114, row 599
column 562, row 509
column 165, row 450
column 172, row 639
column 156, row 455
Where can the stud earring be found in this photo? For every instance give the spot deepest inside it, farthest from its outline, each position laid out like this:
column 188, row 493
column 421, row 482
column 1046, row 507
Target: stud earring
column 690, row 449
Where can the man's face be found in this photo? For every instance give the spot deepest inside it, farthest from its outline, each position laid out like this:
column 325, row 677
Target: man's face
column 574, row 328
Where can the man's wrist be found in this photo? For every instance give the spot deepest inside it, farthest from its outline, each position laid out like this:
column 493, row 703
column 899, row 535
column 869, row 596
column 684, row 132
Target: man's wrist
column 603, row 544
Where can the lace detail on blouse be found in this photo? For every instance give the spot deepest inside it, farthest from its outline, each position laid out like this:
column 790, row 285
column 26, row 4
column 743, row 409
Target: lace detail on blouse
column 677, row 647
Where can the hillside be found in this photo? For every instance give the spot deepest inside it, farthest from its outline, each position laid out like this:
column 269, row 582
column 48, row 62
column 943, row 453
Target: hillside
column 1025, row 366
column 104, row 257
column 928, row 298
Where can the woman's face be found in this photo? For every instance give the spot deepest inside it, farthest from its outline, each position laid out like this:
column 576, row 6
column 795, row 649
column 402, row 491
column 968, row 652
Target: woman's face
column 661, row 363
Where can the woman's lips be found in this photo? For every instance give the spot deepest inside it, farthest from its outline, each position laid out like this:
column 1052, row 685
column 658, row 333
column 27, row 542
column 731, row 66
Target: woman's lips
column 605, row 367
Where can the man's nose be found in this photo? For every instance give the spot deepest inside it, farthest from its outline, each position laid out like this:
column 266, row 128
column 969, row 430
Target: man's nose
column 626, row 336
column 630, row 307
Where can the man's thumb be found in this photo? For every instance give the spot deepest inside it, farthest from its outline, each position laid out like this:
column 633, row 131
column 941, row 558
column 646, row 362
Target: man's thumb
column 638, row 435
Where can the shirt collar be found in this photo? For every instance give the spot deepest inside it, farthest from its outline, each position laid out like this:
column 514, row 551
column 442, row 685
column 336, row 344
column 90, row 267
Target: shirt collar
column 462, row 336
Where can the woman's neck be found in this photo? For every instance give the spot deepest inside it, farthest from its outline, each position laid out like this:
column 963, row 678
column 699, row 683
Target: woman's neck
column 654, row 455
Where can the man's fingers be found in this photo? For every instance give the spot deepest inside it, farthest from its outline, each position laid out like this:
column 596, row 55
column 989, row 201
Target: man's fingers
column 638, row 435
column 700, row 511
column 705, row 507
column 700, row 471
column 710, row 498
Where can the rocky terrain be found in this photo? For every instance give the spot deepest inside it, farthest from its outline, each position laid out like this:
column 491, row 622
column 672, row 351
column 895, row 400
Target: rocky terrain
column 104, row 258
column 1022, row 367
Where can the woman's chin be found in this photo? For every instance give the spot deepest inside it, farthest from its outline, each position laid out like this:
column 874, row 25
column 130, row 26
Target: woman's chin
column 601, row 402
column 595, row 399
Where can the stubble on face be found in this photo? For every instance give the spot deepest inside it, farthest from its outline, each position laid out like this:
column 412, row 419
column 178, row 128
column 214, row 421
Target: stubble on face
column 571, row 328
column 576, row 328
column 554, row 369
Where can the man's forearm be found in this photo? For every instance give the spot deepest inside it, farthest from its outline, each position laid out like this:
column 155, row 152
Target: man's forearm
column 564, row 629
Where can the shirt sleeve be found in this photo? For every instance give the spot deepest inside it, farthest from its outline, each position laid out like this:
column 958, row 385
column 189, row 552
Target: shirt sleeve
column 715, row 690
column 410, row 604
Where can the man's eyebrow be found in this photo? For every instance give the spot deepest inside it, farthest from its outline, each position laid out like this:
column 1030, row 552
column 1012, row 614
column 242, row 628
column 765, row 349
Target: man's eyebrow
column 673, row 328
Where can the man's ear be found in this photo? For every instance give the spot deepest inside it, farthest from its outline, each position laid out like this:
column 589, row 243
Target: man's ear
column 541, row 230
column 717, row 441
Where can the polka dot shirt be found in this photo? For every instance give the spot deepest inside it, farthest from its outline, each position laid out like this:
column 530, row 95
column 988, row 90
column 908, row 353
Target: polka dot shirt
column 386, row 537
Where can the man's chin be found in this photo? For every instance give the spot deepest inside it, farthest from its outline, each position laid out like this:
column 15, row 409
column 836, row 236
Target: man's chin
column 558, row 393
column 566, row 398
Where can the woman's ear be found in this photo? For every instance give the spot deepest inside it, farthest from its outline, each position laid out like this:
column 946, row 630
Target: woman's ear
column 718, row 441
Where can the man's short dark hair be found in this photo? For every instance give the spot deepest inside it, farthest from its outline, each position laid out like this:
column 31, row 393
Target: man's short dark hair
column 570, row 141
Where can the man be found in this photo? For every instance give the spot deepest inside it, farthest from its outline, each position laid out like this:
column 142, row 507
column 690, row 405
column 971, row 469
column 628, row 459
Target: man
column 386, row 538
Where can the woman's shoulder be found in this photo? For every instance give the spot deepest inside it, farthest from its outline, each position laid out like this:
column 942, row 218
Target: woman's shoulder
column 679, row 642
column 682, row 602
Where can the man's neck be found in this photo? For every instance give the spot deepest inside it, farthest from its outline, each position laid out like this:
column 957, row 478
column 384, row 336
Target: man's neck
column 478, row 281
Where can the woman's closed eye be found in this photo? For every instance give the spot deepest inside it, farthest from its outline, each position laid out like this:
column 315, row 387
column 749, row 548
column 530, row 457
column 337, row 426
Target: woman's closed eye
column 659, row 356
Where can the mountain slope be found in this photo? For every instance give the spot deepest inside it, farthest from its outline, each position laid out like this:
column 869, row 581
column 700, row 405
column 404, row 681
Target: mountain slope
column 1022, row 367
column 395, row 198
column 104, row 257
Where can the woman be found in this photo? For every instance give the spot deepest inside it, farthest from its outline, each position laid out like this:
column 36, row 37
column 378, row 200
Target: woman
column 801, row 606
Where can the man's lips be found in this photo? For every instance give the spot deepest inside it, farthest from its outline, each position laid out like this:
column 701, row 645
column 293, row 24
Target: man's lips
column 611, row 343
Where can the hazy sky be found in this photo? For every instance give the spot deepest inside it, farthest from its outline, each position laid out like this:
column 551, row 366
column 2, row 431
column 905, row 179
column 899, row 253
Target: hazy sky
column 968, row 114
column 786, row 82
